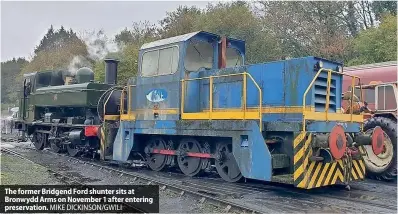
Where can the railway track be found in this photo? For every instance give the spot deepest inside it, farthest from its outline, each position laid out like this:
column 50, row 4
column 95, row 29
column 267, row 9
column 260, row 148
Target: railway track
column 236, row 190
column 62, row 177
column 181, row 189
column 219, row 193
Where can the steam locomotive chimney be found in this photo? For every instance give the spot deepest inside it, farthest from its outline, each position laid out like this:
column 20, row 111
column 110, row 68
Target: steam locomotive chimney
column 222, row 58
column 111, row 71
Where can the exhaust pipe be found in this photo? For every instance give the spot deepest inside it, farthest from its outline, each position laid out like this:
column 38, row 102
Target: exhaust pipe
column 111, row 71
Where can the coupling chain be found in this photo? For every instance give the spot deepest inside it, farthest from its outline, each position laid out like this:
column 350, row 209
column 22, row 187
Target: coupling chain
column 347, row 163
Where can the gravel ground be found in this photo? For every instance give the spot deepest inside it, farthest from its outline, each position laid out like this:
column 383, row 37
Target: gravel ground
column 15, row 170
column 365, row 197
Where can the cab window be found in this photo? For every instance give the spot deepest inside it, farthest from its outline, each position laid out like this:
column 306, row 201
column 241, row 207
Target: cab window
column 199, row 54
column 234, row 57
column 160, row 62
column 43, row 80
column 368, row 93
column 386, row 98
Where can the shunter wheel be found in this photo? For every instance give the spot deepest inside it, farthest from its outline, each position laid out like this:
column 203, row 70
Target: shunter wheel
column 156, row 162
column 39, row 140
column 382, row 166
column 190, row 166
column 226, row 164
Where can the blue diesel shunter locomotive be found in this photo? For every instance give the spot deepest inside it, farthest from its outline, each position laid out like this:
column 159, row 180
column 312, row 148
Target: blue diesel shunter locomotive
column 196, row 105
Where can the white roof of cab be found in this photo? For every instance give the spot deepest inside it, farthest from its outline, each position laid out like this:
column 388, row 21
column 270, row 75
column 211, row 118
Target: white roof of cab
column 170, row 40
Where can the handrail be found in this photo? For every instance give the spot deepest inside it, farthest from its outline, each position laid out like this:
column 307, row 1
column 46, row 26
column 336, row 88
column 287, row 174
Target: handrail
column 211, row 78
column 106, row 102
column 122, row 100
column 129, row 105
column 329, row 71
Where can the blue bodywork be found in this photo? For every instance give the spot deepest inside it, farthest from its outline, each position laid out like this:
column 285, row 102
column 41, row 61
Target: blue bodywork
column 282, row 82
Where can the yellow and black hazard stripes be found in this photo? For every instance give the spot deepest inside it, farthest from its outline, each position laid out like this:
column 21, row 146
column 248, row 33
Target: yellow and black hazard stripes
column 102, row 143
column 319, row 174
column 311, row 174
column 357, row 170
column 302, row 152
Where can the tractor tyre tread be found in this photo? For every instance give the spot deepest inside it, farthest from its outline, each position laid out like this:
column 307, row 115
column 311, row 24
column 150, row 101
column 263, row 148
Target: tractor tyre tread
column 390, row 128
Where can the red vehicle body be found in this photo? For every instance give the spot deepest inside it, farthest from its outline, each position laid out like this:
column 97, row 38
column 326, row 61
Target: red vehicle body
column 379, row 90
column 374, row 74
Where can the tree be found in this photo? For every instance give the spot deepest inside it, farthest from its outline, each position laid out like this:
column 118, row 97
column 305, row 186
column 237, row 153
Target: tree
column 57, row 50
column 129, row 41
column 319, row 29
column 9, row 84
column 236, row 20
column 127, row 67
column 382, row 7
column 377, row 44
column 54, row 40
column 140, row 33
column 179, row 22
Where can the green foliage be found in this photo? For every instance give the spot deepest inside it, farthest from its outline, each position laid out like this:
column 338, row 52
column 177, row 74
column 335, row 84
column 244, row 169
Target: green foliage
column 376, row 44
column 127, row 67
column 275, row 31
column 56, row 51
column 340, row 31
column 9, row 86
column 140, row 33
column 179, row 22
column 130, row 41
column 237, row 21
column 56, row 40
column 382, row 7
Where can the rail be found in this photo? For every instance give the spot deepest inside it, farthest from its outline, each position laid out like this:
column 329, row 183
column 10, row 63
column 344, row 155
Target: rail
column 207, row 196
column 225, row 115
column 326, row 113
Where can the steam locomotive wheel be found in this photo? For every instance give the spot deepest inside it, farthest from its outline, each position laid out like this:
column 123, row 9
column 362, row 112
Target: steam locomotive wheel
column 156, row 161
column 226, row 164
column 190, row 166
column 39, row 140
column 72, row 149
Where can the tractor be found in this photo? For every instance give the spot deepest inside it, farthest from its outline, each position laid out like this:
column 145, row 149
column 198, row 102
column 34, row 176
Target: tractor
column 379, row 90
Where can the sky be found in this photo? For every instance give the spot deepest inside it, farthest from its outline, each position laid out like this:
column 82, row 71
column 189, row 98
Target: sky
column 23, row 24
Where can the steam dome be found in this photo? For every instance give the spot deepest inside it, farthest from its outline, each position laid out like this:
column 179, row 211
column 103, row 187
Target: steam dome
column 84, row 75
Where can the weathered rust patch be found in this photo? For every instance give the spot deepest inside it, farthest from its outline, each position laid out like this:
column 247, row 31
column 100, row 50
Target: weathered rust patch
column 293, row 74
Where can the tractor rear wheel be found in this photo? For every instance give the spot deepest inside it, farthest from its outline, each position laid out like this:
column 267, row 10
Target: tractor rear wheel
column 384, row 165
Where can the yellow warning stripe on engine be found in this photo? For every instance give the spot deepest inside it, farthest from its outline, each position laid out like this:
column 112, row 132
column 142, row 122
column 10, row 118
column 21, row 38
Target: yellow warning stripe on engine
column 310, row 174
